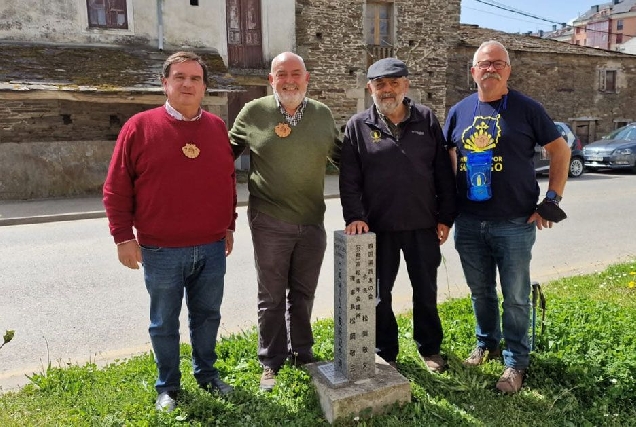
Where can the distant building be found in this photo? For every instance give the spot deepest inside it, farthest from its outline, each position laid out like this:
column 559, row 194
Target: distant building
column 564, row 34
column 606, row 26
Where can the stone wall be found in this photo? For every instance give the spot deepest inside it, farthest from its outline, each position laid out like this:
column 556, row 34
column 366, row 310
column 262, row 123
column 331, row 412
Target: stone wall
column 61, row 148
column 330, row 36
column 53, row 169
column 62, row 120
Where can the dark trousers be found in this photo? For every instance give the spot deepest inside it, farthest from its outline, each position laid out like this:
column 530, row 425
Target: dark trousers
column 422, row 255
column 288, row 258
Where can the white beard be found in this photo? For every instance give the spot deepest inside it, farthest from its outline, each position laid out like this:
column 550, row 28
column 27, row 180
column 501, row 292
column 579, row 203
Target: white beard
column 290, row 100
column 387, row 106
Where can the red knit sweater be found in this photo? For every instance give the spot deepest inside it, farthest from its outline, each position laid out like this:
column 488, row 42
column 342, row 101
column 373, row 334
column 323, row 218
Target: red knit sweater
column 170, row 199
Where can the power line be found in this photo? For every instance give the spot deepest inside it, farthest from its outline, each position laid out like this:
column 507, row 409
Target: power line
column 495, row 4
column 517, row 11
column 503, row 16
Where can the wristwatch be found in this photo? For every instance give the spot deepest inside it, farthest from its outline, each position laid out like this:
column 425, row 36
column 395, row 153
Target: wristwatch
column 552, row 196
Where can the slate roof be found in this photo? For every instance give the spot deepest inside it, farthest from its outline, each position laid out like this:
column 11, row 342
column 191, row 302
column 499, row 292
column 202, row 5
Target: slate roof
column 473, row 36
column 622, row 7
column 93, row 68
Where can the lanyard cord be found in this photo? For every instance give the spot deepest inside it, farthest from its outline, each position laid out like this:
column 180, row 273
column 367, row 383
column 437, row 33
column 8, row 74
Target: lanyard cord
column 502, row 106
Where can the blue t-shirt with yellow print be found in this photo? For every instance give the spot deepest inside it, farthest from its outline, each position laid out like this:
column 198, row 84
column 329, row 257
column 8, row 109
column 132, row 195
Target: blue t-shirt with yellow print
column 505, row 133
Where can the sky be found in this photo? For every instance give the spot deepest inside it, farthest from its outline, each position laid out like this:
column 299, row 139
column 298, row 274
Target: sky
column 478, row 12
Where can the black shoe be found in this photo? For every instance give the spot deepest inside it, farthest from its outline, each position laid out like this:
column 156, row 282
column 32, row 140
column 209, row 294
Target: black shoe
column 217, row 386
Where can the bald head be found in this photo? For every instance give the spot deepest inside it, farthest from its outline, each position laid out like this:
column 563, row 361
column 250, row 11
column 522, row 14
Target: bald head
column 289, row 79
column 287, row 57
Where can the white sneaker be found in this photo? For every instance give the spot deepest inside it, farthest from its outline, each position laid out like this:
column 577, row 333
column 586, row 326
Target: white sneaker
column 166, row 401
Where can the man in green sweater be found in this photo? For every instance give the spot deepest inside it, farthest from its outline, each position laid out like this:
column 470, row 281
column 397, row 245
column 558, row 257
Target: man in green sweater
column 290, row 138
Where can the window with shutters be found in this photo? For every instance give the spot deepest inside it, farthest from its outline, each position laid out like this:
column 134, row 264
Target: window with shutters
column 607, row 81
column 107, row 14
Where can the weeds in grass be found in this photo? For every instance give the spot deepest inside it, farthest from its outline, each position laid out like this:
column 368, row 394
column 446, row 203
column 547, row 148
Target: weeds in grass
column 583, row 373
column 8, row 336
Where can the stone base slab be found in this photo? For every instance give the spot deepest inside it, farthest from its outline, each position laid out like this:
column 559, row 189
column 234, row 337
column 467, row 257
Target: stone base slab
column 371, row 395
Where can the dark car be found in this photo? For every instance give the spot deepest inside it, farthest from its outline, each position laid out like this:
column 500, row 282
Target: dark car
column 542, row 159
column 615, row 151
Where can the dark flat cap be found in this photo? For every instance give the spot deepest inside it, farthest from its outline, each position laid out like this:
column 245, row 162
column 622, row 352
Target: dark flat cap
column 387, row 67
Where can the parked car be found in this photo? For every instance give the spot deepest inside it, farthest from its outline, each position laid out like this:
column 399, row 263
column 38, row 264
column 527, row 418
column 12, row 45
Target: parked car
column 542, row 159
column 614, row 151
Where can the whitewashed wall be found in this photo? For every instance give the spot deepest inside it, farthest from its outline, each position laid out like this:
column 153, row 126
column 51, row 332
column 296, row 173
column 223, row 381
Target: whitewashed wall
column 203, row 26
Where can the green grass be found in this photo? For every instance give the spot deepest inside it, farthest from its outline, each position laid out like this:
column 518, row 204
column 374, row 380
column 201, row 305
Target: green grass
column 582, row 374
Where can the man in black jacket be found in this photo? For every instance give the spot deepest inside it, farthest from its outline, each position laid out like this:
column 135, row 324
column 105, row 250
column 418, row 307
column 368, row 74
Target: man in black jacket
column 396, row 180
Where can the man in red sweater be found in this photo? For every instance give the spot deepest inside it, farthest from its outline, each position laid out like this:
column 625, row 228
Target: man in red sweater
column 171, row 178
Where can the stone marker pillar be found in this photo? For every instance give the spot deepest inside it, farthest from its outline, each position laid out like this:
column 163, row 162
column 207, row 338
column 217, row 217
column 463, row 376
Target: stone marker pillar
column 356, row 380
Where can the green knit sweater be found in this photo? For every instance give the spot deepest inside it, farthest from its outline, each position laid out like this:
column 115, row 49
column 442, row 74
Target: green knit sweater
column 287, row 174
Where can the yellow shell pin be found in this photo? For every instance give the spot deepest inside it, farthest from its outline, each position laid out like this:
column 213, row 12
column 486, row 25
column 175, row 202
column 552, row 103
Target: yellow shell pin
column 282, row 130
column 191, row 151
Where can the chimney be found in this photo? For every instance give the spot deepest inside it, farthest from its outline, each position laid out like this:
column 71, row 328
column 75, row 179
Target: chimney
column 617, row 2
column 595, row 8
column 540, row 33
column 554, row 27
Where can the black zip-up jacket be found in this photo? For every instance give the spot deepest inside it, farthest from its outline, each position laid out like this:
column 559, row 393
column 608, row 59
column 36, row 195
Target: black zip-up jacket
column 396, row 184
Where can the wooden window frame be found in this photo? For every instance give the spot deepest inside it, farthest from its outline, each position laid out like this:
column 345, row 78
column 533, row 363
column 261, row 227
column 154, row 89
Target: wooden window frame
column 389, row 4
column 471, row 82
column 608, row 85
column 112, row 10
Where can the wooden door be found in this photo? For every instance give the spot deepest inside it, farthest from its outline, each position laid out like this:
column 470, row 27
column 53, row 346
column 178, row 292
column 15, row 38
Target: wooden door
column 244, row 37
column 236, row 101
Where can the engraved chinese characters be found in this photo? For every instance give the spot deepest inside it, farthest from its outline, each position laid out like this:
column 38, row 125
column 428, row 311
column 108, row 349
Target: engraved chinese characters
column 355, row 301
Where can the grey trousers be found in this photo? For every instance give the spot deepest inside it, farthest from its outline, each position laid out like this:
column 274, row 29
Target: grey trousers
column 288, row 258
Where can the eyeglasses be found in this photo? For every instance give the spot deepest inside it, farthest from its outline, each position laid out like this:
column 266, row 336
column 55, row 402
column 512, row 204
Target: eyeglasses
column 497, row 65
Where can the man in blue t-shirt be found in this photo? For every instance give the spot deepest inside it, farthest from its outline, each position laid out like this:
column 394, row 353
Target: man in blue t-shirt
column 491, row 136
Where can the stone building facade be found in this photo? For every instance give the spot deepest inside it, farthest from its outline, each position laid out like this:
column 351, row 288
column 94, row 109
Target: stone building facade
column 62, row 107
column 58, row 122
column 591, row 89
column 332, row 36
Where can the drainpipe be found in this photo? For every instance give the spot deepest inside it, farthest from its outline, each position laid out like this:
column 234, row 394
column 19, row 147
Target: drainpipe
column 160, row 23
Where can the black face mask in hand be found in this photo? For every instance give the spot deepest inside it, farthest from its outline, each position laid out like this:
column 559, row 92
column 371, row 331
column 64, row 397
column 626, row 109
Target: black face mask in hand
column 549, row 210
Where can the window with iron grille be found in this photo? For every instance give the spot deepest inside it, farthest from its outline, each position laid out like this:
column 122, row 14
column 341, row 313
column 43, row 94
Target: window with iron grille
column 107, row 14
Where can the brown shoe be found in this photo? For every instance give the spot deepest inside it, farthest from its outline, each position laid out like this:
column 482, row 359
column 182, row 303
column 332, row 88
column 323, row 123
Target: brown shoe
column 434, row 363
column 268, row 379
column 480, row 355
column 511, row 380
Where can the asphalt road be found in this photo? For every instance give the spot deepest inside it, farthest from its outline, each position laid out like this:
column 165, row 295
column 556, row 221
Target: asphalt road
column 69, row 301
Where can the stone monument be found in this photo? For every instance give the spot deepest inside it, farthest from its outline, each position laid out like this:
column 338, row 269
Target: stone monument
column 356, row 381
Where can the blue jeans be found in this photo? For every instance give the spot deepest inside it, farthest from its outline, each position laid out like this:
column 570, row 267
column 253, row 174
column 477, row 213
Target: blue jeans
column 505, row 245
column 200, row 271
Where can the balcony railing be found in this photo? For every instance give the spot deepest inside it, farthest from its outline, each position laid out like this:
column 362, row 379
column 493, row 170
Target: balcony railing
column 376, row 52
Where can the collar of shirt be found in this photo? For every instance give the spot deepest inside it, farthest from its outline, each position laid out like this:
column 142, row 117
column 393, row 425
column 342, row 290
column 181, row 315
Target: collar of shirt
column 177, row 115
column 396, row 129
column 292, row 119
